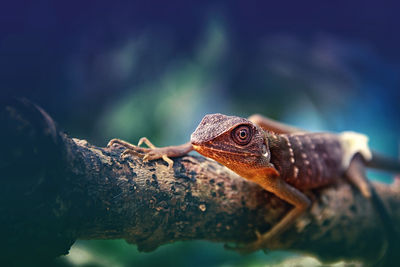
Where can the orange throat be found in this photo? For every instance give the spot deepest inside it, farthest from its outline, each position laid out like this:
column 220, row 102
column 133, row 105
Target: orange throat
column 248, row 170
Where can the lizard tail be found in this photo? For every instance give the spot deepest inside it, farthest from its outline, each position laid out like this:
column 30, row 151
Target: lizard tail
column 382, row 162
column 391, row 255
column 356, row 174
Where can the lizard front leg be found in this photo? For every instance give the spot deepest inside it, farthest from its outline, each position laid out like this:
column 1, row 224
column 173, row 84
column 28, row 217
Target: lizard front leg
column 283, row 190
column 152, row 152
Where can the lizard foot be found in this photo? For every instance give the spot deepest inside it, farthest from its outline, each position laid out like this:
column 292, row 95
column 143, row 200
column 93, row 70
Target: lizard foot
column 260, row 243
column 147, row 154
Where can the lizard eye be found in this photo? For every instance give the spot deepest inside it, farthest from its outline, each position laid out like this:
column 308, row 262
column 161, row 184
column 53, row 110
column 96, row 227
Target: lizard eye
column 242, row 134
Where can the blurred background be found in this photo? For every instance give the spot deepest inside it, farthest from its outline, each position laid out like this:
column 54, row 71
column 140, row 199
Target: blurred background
column 124, row 69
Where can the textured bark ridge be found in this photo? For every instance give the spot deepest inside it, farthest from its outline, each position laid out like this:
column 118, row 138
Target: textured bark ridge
column 56, row 189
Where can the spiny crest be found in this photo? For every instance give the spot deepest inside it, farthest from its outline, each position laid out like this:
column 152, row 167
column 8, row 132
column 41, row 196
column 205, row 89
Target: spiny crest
column 213, row 125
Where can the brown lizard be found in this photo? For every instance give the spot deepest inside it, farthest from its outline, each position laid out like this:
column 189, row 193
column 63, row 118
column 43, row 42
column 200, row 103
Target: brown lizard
column 282, row 159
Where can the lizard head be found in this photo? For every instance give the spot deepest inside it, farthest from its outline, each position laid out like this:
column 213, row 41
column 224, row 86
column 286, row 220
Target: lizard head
column 235, row 142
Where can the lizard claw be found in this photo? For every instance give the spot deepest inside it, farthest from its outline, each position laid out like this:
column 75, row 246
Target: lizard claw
column 147, row 154
column 249, row 247
column 112, row 142
column 147, row 142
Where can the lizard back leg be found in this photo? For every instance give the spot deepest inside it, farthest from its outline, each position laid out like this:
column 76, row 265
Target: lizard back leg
column 273, row 126
column 288, row 193
column 355, row 173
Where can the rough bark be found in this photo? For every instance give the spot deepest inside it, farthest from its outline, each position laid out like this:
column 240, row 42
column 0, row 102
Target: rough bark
column 56, row 189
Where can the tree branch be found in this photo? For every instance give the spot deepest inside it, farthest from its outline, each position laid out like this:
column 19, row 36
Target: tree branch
column 56, row 189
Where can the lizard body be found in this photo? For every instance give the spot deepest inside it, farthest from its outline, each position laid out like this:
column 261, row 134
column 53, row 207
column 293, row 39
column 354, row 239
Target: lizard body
column 312, row 160
column 303, row 160
column 283, row 161
column 306, row 161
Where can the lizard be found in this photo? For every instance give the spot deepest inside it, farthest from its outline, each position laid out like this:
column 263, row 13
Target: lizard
column 282, row 159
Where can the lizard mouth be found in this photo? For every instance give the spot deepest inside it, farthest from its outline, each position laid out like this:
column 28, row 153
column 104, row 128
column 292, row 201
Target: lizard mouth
column 201, row 149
